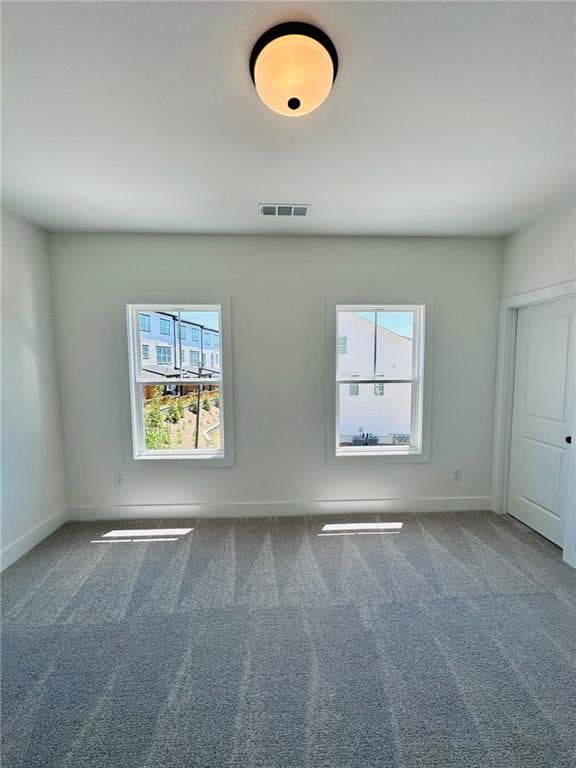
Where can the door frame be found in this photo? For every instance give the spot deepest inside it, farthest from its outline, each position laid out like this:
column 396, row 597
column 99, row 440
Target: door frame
column 505, row 371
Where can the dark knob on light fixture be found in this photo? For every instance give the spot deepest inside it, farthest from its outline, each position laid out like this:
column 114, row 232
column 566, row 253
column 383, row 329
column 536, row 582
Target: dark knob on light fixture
column 568, row 439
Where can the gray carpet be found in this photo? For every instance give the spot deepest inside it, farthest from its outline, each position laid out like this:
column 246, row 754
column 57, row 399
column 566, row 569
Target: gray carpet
column 258, row 643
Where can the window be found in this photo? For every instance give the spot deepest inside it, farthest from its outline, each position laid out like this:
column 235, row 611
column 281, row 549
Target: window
column 177, row 411
column 379, row 382
column 183, row 333
column 206, row 338
column 165, row 324
column 144, row 322
column 163, row 355
column 195, row 334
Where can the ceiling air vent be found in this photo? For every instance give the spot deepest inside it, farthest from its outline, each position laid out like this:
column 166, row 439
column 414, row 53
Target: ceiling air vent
column 283, row 209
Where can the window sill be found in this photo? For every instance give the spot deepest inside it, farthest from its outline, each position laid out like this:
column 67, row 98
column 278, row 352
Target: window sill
column 373, row 451
column 174, row 455
column 371, row 456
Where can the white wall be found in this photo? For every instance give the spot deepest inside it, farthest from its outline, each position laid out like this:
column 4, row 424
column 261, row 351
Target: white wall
column 33, row 499
column 541, row 254
column 278, row 288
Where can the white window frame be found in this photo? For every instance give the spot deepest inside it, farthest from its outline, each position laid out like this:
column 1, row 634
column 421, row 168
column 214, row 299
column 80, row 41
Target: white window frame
column 220, row 457
column 419, row 450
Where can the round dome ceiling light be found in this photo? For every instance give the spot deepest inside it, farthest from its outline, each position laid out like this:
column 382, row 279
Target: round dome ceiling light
column 293, row 66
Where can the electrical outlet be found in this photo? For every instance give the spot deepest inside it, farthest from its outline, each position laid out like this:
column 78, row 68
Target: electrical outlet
column 457, row 473
column 118, row 479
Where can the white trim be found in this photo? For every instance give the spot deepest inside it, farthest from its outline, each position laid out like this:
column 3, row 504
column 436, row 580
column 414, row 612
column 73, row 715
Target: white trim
column 283, row 508
column 422, row 346
column 31, row 538
column 223, row 457
column 416, row 381
column 509, row 307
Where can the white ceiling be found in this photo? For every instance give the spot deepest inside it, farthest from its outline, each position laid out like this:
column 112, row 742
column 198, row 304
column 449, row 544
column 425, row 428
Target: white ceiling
column 448, row 118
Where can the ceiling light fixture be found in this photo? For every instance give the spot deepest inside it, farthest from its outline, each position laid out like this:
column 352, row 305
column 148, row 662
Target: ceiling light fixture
column 293, row 66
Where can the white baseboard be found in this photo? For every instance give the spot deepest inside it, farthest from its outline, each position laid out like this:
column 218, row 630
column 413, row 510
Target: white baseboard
column 24, row 543
column 281, row 508
column 27, row 541
column 569, row 556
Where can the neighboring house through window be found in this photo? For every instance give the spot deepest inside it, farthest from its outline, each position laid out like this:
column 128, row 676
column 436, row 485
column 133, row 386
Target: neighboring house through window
column 177, row 410
column 379, row 379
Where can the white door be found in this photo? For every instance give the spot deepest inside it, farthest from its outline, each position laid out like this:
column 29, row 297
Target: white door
column 540, row 422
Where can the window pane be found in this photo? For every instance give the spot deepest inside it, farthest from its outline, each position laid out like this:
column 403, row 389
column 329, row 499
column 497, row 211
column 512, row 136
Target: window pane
column 394, row 345
column 179, row 344
column 163, row 355
column 375, row 419
column 355, row 357
column 181, row 417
